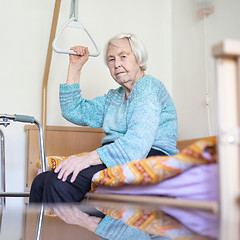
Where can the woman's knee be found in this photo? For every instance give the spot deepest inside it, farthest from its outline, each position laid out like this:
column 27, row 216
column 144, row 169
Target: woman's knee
column 55, row 190
column 39, row 180
column 52, row 181
column 37, row 187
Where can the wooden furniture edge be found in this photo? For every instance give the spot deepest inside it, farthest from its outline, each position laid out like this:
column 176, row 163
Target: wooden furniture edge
column 180, row 143
column 228, row 47
column 65, row 128
column 227, row 65
column 154, row 200
column 158, row 200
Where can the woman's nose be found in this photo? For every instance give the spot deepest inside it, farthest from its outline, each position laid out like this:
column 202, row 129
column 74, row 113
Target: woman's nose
column 117, row 63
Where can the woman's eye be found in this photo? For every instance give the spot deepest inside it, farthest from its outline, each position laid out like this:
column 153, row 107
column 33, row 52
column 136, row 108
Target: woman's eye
column 123, row 56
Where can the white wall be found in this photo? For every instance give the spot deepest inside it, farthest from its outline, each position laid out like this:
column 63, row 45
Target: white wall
column 189, row 83
column 150, row 20
column 25, row 29
column 24, row 32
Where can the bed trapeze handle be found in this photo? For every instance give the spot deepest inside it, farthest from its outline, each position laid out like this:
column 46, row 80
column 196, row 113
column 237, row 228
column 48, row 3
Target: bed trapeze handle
column 72, row 22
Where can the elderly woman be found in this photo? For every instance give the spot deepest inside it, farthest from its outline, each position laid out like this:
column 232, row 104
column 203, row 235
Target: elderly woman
column 139, row 119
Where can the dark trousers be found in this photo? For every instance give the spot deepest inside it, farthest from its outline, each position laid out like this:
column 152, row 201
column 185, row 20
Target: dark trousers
column 46, row 187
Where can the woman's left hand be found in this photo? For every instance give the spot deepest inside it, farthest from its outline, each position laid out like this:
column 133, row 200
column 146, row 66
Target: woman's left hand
column 75, row 164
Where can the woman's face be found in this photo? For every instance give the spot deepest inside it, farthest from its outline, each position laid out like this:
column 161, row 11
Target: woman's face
column 122, row 64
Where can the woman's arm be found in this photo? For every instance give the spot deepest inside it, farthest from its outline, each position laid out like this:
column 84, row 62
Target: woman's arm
column 110, row 228
column 81, row 111
column 75, row 108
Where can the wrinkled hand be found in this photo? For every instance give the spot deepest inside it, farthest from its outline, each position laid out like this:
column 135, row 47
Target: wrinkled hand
column 75, row 164
column 71, row 214
column 81, row 58
column 76, row 63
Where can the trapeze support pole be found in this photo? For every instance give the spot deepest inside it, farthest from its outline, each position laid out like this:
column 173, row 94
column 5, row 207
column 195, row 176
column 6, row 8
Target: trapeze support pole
column 48, row 64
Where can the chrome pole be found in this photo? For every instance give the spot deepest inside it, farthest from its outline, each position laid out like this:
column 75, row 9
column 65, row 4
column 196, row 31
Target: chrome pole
column 3, row 183
column 41, row 145
column 39, row 224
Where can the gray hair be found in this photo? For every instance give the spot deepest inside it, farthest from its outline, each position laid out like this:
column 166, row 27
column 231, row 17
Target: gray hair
column 137, row 47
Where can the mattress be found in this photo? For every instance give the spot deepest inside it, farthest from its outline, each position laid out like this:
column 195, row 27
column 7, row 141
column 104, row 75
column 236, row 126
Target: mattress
column 198, row 183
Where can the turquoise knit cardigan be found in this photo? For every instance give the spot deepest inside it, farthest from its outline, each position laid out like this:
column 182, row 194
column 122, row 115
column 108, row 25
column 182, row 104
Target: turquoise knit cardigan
column 147, row 119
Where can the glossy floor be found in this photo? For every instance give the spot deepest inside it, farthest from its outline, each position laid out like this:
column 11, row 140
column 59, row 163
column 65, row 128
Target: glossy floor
column 109, row 220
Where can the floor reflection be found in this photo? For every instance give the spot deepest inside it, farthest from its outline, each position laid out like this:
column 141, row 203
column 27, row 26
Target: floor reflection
column 166, row 223
column 105, row 220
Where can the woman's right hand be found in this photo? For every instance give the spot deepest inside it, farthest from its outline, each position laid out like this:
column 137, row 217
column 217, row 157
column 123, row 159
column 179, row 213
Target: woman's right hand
column 81, row 58
column 76, row 63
